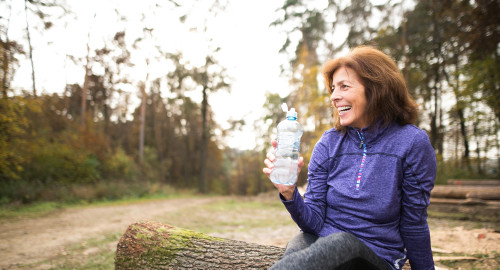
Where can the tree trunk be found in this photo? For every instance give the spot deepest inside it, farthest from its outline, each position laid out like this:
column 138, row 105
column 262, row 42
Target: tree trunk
column 30, row 48
column 85, row 87
column 152, row 245
column 436, row 120
column 83, row 105
column 204, row 143
column 7, row 56
column 142, row 124
column 158, row 123
column 478, row 149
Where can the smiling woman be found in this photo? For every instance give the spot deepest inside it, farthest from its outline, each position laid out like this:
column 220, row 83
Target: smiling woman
column 369, row 178
column 382, row 84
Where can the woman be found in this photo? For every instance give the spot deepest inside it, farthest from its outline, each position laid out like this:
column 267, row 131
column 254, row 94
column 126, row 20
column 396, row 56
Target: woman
column 369, row 178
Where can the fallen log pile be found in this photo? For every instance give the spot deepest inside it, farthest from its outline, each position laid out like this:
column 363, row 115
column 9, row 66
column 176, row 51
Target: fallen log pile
column 469, row 191
column 472, row 190
column 468, row 199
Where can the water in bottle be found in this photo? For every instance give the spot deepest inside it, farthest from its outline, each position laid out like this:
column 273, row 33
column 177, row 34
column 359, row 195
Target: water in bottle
column 287, row 152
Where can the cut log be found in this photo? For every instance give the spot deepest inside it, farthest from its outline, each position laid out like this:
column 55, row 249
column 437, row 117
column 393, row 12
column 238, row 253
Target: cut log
column 152, row 245
column 466, row 192
column 484, row 195
column 474, row 182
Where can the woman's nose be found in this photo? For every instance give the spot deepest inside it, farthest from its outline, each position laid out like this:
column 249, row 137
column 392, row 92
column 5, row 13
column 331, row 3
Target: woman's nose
column 335, row 96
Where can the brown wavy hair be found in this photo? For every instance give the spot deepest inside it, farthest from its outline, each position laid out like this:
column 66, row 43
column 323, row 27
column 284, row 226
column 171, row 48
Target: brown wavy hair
column 386, row 92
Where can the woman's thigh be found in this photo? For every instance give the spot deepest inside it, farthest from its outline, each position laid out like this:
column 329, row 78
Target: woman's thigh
column 299, row 242
column 336, row 251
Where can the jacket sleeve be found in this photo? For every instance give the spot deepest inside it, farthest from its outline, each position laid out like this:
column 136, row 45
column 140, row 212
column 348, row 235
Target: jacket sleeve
column 309, row 213
column 418, row 180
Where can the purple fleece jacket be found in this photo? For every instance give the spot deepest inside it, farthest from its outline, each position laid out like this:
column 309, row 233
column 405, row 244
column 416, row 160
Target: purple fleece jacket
column 374, row 183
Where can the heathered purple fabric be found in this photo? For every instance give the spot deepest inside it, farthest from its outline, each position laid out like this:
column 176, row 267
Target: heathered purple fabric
column 389, row 211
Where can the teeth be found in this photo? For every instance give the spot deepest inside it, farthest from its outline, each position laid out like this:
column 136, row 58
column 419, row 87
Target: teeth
column 343, row 108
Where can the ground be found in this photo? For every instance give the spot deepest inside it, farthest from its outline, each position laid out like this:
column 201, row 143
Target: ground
column 38, row 242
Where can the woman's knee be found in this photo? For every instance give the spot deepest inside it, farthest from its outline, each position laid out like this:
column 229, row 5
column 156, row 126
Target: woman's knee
column 299, row 242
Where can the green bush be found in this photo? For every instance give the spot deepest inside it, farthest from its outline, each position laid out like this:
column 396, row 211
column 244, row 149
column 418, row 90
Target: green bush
column 119, row 166
column 12, row 127
column 59, row 163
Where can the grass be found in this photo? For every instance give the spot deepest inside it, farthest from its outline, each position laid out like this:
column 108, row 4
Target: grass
column 447, row 215
column 228, row 214
column 40, row 209
column 231, row 215
column 94, row 253
column 29, row 211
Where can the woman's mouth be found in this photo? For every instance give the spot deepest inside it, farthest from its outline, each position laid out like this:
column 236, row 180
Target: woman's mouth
column 343, row 109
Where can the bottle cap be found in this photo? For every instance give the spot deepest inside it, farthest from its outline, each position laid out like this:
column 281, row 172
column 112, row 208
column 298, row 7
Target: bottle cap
column 291, row 113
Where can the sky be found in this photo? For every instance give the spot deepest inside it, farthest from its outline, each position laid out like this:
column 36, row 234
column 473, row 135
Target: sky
column 249, row 51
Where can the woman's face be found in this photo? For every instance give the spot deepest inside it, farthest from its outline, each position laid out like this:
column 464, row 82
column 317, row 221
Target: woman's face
column 348, row 97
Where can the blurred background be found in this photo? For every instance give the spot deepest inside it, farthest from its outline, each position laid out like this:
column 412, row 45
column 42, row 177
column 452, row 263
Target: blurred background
column 102, row 100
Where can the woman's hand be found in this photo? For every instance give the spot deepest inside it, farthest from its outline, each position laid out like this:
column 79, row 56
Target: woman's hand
column 285, row 190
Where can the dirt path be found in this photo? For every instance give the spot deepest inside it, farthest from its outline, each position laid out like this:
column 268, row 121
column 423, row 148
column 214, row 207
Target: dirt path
column 30, row 240
column 26, row 241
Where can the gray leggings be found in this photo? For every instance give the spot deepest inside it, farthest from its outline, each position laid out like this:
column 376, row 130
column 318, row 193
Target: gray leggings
column 336, row 251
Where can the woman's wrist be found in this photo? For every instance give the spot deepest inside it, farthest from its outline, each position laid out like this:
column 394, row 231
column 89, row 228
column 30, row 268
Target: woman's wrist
column 288, row 192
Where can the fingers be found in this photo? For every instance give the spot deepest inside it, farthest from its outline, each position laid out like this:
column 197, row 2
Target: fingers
column 271, row 157
column 267, row 171
column 269, row 164
column 274, row 143
column 301, row 163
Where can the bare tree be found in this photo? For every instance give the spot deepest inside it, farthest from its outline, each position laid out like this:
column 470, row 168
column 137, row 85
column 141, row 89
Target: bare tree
column 142, row 126
column 30, row 48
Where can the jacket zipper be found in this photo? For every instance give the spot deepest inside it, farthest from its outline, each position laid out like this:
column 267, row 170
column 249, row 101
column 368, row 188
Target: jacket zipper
column 363, row 160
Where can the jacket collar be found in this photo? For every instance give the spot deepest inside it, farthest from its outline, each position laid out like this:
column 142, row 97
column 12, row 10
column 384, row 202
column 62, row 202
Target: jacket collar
column 371, row 134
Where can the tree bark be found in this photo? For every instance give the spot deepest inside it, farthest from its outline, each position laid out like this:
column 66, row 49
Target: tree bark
column 152, row 245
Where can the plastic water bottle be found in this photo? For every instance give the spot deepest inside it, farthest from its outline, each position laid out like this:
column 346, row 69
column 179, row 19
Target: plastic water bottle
column 287, row 153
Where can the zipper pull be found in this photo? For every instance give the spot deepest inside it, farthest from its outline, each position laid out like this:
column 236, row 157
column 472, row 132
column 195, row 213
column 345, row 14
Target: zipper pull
column 360, row 135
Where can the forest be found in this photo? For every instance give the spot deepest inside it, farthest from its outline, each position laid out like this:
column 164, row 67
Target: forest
column 91, row 141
